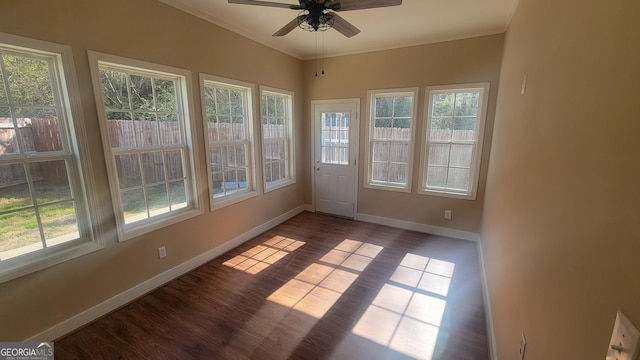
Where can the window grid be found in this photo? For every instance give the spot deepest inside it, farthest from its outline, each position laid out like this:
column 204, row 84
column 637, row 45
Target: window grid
column 40, row 198
column 143, row 110
column 335, row 138
column 390, row 139
column 227, row 109
column 276, row 133
column 453, row 135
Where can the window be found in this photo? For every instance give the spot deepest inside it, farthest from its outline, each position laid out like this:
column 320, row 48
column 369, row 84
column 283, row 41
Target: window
column 146, row 129
column 44, row 208
column 335, row 133
column 454, row 131
column 391, row 128
column 229, row 128
column 277, row 138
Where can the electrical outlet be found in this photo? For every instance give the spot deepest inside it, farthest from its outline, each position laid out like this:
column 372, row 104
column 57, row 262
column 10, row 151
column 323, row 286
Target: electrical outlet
column 162, row 252
column 523, row 346
column 447, row 214
column 625, row 340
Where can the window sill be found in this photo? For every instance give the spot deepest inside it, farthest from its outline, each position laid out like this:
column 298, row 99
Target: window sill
column 448, row 195
column 26, row 264
column 278, row 184
column 376, row 186
column 232, row 199
column 134, row 230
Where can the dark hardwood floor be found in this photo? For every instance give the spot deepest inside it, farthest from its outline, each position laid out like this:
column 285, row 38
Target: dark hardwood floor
column 314, row 287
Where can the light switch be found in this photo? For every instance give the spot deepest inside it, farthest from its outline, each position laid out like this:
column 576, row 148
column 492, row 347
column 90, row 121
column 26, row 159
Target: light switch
column 624, row 344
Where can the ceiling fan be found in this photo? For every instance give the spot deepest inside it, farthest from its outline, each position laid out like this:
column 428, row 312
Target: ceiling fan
column 320, row 15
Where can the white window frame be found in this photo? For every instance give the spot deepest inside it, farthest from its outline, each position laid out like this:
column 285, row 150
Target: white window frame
column 248, row 90
column 290, row 171
column 371, row 96
column 75, row 152
column 476, row 156
column 187, row 126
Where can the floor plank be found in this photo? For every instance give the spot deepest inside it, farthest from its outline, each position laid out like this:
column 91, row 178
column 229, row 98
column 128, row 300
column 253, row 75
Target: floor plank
column 314, row 287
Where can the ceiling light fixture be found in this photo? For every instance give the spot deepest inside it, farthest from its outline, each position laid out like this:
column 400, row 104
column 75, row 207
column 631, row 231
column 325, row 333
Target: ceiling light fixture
column 315, row 21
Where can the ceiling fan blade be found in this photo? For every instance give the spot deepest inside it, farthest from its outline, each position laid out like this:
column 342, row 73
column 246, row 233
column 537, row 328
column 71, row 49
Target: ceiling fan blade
column 287, row 28
column 344, row 27
column 346, row 5
column 263, row 3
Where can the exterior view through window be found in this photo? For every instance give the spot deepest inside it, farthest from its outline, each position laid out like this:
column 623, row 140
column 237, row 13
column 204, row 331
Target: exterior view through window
column 391, row 125
column 43, row 208
column 227, row 108
column 455, row 125
column 143, row 118
column 335, row 138
column 277, row 135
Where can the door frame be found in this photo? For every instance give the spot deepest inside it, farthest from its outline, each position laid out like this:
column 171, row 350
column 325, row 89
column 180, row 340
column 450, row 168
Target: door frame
column 354, row 151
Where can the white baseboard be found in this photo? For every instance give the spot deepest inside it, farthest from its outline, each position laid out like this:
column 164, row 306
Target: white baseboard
column 487, row 304
column 119, row 300
column 407, row 225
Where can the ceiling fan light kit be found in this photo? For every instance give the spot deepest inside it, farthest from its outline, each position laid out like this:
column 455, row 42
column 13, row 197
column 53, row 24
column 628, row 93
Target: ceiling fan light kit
column 309, row 22
column 320, row 15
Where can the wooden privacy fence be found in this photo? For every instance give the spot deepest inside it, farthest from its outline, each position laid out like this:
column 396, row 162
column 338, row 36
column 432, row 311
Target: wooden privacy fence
column 43, row 135
column 127, row 133
column 36, row 135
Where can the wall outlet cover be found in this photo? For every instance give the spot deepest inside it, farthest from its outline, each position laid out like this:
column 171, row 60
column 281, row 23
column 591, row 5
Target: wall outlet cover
column 523, row 346
column 625, row 340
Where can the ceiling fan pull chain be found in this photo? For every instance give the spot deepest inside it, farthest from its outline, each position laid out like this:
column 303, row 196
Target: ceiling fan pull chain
column 322, row 54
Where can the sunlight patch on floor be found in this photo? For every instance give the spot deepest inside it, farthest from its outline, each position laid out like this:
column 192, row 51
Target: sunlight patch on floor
column 264, row 255
column 317, row 288
column 407, row 312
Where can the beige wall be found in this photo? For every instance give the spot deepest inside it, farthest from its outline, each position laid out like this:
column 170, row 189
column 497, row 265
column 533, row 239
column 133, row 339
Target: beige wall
column 454, row 62
column 151, row 31
column 559, row 212
column 560, row 231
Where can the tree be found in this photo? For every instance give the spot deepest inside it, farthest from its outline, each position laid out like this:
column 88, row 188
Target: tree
column 29, row 87
column 454, row 110
column 122, row 91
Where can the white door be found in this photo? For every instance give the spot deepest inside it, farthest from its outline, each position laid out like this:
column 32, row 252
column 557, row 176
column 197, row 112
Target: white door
column 335, row 153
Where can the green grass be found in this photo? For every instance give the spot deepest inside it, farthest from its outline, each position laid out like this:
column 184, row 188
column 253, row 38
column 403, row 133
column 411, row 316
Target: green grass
column 134, row 203
column 21, row 227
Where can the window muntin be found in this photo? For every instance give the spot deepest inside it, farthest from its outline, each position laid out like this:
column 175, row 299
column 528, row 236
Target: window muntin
column 277, row 138
column 454, row 131
column 229, row 128
column 391, row 128
column 44, row 217
column 144, row 118
column 335, row 138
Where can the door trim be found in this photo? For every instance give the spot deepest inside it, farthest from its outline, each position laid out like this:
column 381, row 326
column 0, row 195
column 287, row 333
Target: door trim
column 355, row 153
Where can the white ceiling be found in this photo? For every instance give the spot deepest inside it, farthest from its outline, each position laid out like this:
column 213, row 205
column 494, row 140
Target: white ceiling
column 415, row 22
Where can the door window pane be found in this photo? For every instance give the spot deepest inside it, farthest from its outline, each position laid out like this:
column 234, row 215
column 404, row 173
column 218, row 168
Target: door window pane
column 335, row 138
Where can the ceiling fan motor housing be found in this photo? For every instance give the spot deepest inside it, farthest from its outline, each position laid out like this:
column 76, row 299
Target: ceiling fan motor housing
column 318, row 15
